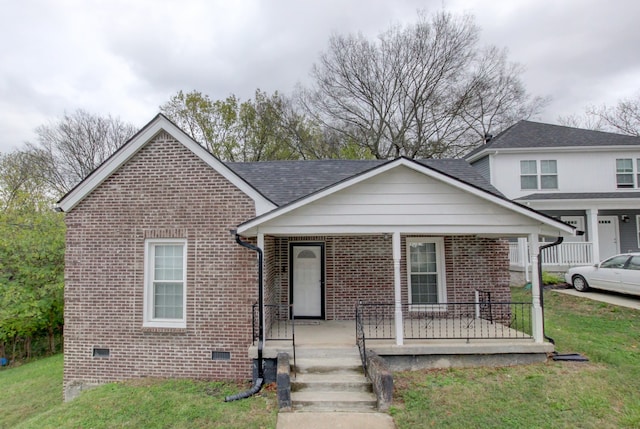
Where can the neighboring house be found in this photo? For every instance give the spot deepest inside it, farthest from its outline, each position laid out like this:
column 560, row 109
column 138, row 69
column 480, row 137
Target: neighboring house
column 157, row 286
column 589, row 179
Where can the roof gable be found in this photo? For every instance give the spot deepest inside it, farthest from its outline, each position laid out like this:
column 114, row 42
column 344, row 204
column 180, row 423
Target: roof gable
column 537, row 135
column 286, row 181
column 138, row 141
column 397, row 196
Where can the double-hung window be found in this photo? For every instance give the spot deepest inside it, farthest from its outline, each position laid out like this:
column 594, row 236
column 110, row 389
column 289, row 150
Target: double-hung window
column 546, row 177
column 624, row 173
column 425, row 266
column 165, row 290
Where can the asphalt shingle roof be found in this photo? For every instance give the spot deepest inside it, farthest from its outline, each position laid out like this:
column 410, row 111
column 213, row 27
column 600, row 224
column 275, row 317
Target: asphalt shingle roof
column 527, row 134
column 285, row 181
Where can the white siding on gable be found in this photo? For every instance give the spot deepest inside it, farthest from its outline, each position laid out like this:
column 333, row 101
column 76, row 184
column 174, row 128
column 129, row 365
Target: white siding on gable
column 401, row 197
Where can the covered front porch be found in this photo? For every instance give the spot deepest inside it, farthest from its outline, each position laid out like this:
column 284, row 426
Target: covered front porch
column 414, row 259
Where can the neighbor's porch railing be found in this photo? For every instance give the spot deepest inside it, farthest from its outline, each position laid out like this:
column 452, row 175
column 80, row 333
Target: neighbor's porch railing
column 482, row 319
column 567, row 253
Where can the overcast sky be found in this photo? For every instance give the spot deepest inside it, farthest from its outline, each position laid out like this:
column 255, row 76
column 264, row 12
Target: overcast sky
column 127, row 57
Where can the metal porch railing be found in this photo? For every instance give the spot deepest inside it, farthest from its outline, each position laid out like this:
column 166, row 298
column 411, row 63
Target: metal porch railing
column 482, row 319
column 279, row 324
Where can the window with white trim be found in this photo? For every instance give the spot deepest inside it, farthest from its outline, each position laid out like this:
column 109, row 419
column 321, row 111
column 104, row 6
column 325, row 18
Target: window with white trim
column 425, row 271
column 544, row 178
column 165, row 283
column 625, row 173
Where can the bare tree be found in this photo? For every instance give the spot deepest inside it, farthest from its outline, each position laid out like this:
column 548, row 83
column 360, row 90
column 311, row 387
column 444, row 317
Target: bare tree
column 70, row 148
column 623, row 118
column 418, row 90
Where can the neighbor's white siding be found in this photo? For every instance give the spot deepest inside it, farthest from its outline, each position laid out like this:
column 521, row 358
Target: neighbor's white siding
column 593, row 171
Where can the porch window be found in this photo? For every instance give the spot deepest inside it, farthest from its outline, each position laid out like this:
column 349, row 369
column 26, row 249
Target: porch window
column 425, row 261
column 624, row 173
column 165, row 283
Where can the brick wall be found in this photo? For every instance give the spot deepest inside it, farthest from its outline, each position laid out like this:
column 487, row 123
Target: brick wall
column 361, row 268
column 152, row 197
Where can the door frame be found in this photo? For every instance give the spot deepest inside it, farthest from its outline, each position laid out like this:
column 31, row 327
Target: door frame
column 293, row 244
column 616, row 234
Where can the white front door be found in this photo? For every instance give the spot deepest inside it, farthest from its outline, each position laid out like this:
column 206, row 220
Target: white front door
column 608, row 236
column 307, row 290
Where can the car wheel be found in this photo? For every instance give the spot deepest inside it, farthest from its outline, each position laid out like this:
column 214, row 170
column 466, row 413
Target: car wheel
column 580, row 284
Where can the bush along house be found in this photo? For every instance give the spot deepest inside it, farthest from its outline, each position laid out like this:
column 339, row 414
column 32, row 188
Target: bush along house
column 162, row 278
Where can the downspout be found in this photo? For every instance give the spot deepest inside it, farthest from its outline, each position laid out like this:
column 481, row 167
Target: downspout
column 558, row 241
column 260, row 379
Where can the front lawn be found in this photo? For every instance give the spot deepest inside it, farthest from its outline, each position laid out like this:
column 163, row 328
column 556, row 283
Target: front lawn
column 602, row 393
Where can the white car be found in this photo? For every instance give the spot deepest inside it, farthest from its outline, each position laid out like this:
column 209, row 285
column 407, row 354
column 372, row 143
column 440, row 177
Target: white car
column 620, row 273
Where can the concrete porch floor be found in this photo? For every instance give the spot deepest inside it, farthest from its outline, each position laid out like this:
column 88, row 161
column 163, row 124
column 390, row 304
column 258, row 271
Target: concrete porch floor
column 330, row 338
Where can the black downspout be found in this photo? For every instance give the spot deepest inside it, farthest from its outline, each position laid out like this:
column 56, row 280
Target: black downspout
column 260, row 379
column 558, row 241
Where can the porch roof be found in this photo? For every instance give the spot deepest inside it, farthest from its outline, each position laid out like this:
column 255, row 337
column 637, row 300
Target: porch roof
column 404, row 196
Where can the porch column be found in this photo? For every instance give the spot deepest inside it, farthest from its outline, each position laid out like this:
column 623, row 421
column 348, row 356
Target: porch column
column 524, row 257
column 594, row 237
column 260, row 244
column 397, row 288
column 536, row 282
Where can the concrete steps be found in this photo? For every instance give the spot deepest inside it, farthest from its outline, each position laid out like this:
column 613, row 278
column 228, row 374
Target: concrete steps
column 332, row 384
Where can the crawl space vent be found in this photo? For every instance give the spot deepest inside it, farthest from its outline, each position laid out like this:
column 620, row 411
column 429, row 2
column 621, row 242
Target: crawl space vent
column 100, row 353
column 220, row 355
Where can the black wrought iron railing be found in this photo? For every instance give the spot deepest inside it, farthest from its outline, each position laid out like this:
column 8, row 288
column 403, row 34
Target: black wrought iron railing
column 360, row 339
column 482, row 319
column 279, row 324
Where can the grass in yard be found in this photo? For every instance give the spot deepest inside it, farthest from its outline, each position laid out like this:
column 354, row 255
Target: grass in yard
column 602, row 393
column 33, row 399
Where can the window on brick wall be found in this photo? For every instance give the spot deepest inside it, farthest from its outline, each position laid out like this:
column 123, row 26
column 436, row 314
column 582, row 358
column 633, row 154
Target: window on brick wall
column 425, row 266
column 165, row 290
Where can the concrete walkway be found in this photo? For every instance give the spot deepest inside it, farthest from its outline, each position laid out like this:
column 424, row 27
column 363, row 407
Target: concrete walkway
column 327, row 420
column 608, row 297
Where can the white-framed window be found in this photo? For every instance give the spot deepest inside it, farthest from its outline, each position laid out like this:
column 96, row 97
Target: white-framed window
column 545, row 177
column 528, row 175
column 548, row 174
column 625, row 173
column 165, row 283
column 426, row 270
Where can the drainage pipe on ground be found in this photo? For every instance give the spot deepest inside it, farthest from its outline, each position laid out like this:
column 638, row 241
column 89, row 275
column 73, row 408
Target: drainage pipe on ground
column 558, row 241
column 259, row 380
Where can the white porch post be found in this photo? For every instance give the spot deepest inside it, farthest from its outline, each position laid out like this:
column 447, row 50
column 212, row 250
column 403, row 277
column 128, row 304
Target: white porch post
column 524, row 257
column 260, row 244
column 594, row 237
column 397, row 288
column 536, row 282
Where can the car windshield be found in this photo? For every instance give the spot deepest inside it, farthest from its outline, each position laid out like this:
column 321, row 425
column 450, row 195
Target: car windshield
column 615, row 262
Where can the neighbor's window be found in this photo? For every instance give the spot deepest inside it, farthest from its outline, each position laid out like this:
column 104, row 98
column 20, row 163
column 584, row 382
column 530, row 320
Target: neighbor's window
column 624, row 173
column 425, row 266
column 528, row 175
column 548, row 174
column 165, row 283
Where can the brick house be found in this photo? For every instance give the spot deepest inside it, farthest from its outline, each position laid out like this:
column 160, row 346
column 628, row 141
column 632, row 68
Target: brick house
column 157, row 286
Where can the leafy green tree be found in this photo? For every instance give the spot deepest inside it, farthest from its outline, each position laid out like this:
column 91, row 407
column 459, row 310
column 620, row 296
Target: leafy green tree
column 31, row 258
column 267, row 127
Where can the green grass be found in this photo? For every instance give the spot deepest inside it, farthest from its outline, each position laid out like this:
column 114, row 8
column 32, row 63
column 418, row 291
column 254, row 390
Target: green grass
column 602, row 393
column 33, row 399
